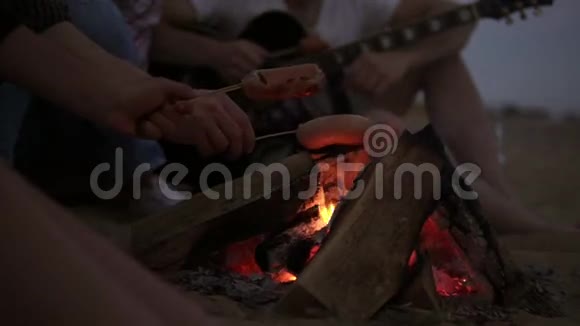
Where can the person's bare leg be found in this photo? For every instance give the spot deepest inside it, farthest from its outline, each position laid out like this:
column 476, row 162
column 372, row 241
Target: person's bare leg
column 458, row 115
column 50, row 275
column 157, row 295
column 46, row 278
column 402, row 94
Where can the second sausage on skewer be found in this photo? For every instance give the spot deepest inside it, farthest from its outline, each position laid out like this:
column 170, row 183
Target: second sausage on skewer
column 344, row 129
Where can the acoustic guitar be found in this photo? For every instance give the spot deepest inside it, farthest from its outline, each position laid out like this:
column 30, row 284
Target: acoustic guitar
column 282, row 34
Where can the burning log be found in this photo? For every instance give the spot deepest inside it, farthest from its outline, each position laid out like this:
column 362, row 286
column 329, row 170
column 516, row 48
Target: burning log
column 476, row 238
column 165, row 240
column 401, row 237
column 377, row 235
column 420, row 288
column 465, row 262
column 291, row 249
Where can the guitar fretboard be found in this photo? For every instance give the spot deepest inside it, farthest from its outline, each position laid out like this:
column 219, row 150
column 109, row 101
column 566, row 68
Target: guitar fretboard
column 396, row 38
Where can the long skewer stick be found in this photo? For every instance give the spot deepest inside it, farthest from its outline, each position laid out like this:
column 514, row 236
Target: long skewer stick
column 226, row 89
column 279, row 134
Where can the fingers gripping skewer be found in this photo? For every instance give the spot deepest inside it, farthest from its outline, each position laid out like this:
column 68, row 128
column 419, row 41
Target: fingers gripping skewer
column 279, row 83
column 264, row 85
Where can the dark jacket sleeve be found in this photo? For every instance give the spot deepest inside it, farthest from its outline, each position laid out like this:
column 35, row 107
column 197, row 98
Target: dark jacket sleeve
column 7, row 21
column 37, row 15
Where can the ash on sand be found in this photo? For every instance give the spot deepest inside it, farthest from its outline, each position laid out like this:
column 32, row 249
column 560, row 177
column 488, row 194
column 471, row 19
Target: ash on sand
column 542, row 297
column 253, row 292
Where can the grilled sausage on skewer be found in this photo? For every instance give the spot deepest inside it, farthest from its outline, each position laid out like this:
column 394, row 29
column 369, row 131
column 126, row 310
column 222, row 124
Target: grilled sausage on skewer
column 344, row 129
column 283, row 83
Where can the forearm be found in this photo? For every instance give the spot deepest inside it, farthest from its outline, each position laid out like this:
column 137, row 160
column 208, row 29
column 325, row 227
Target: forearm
column 439, row 45
column 79, row 45
column 47, row 70
column 172, row 45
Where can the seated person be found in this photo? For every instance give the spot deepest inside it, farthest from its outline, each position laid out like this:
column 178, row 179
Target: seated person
column 77, row 145
column 84, row 278
column 387, row 80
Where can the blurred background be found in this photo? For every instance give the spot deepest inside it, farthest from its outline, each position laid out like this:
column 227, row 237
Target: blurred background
column 529, row 77
column 531, row 64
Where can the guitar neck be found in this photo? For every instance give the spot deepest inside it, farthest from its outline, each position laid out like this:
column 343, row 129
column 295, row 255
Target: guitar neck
column 337, row 58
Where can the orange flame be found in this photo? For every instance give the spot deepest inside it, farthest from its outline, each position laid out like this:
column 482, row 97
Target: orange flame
column 284, row 276
column 325, row 212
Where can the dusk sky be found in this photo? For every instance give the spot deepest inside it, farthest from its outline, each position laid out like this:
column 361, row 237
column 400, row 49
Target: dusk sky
column 534, row 62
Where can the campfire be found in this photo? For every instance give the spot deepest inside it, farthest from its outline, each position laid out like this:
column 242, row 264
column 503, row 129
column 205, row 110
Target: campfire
column 351, row 257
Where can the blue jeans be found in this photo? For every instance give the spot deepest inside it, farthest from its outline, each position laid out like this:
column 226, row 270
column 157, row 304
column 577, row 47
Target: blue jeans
column 58, row 150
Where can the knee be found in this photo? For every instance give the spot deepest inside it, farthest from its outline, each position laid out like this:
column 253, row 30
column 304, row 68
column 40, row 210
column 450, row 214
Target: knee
column 437, row 68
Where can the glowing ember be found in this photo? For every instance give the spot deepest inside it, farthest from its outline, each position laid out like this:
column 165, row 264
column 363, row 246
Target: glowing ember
column 239, row 257
column 452, row 271
column 313, row 252
column 448, row 286
column 284, row 276
column 413, row 259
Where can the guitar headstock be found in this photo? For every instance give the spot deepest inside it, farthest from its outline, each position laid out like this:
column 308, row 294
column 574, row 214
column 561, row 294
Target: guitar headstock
column 503, row 9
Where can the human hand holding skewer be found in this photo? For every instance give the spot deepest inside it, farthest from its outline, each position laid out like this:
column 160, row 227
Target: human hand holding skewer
column 214, row 124
column 279, row 83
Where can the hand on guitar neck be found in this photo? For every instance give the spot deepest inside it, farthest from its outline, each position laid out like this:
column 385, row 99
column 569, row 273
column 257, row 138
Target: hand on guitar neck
column 373, row 73
column 235, row 59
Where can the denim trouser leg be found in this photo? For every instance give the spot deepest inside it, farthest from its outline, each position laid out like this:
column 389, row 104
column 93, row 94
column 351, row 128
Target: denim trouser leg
column 59, row 150
column 103, row 23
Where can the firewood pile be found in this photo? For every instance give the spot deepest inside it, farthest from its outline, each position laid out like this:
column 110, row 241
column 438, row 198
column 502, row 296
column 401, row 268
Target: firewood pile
column 421, row 252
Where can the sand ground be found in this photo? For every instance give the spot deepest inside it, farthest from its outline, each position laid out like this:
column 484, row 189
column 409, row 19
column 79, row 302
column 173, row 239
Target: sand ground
column 542, row 161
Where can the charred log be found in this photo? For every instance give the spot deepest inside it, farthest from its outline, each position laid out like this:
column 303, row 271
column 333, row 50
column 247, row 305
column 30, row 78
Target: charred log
column 376, row 233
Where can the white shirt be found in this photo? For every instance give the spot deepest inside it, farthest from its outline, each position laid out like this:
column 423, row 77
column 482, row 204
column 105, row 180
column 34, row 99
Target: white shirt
column 142, row 16
column 340, row 21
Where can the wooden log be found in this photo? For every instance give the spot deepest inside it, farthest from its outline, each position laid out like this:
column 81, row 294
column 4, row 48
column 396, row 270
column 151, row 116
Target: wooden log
column 166, row 239
column 420, row 290
column 480, row 243
column 291, row 248
column 363, row 261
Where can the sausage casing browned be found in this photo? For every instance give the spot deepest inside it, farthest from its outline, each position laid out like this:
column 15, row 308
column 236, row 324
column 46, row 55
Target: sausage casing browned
column 283, row 83
column 342, row 129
